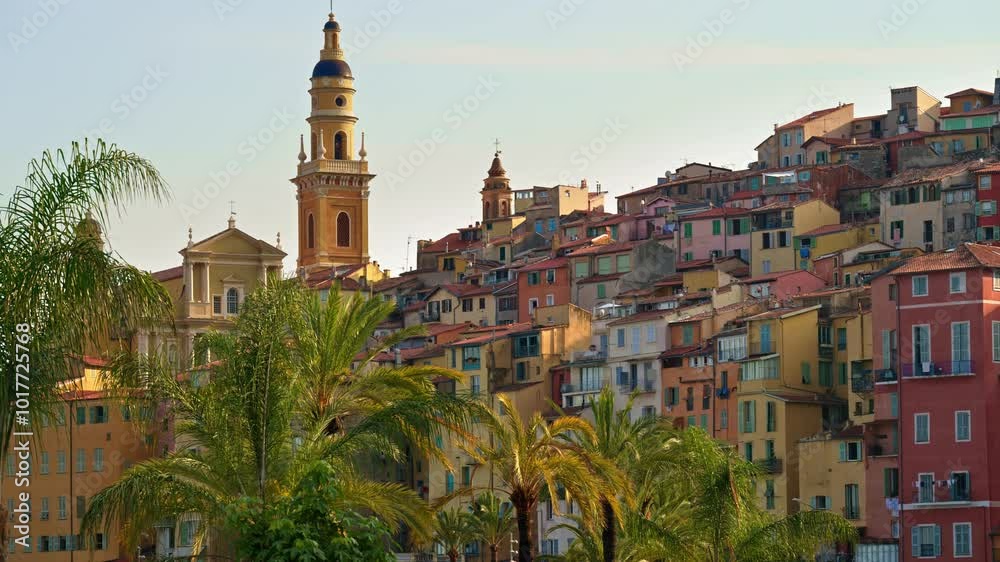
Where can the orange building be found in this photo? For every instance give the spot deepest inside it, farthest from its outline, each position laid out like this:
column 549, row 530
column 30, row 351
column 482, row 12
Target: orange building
column 542, row 284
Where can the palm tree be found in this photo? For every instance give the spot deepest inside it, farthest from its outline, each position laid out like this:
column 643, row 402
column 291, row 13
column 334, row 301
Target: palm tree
column 453, row 529
column 493, row 521
column 638, row 448
column 252, row 425
column 535, row 458
column 57, row 282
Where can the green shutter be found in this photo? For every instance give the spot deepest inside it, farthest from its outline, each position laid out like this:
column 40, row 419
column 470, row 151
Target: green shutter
column 729, row 227
column 687, row 230
column 753, row 416
column 843, row 451
column 716, row 227
column 745, row 226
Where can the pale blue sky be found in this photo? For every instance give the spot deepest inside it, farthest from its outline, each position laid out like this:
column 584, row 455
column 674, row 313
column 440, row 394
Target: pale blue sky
column 212, row 81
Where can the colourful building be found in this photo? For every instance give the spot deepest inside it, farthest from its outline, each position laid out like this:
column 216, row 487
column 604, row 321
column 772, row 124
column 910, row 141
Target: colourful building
column 541, row 284
column 774, row 228
column 715, row 233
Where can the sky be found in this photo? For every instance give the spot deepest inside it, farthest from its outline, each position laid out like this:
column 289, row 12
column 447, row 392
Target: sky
column 214, row 93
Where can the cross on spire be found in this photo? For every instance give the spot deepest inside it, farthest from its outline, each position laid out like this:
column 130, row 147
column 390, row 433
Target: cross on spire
column 497, row 144
column 232, row 207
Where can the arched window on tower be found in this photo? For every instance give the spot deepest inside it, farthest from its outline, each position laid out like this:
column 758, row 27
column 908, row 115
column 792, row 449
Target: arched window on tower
column 340, row 146
column 486, row 209
column 310, row 232
column 314, row 147
column 503, row 208
column 343, row 230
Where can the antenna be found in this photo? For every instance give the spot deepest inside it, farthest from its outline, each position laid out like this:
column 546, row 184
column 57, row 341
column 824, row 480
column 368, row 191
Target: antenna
column 409, row 240
column 232, row 207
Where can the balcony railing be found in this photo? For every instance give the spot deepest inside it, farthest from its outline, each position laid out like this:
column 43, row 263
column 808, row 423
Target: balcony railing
column 772, row 224
column 594, row 386
column 769, row 466
column 882, row 450
column 938, row 369
column 766, row 347
column 885, row 375
column 826, row 351
column 862, row 382
column 853, row 513
column 732, row 354
column 589, row 355
column 642, row 387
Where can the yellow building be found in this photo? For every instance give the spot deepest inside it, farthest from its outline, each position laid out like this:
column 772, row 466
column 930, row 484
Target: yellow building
column 86, row 446
column 775, row 227
column 332, row 180
column 461, row 304
column 832, row 238
column 787, row 385
column 832, row 473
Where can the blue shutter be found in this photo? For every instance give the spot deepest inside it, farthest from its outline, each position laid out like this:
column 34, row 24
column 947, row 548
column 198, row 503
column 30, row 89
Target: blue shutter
column 915, row 540
column 937, row 540
column 843, row 451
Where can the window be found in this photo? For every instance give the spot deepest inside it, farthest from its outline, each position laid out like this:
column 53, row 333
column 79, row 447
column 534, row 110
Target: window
column 232, row 301
column 772, row 416
column 216, row 304
column 716, row 227
column 769, row 494
column 850, row 451
column 956, row 282
column 748, row 414
column 310, row 232
column 961, row 356
column 187, row 532
column 825, row 374
column 961, row 486
column 688, row 233
column 806, row 373
column 60, row 462
column 550, row 276
column 449, row 482
column 581, row 269
column 922, row 428
column 926, row 541
column 62, row 507
column 852, row 501
column 98, row 460
column 620, row 337
column 985, row 182
column 550, row 300
column 921, row 347
column 81, row 460
column 636, row 339
column 624, row 263
column 963, row 426
column 651, row 333
column 824, row 334
column 841, row 339
column 925, row 484
column 748, row 451
column 45, row 509
column 604, row 265
column 534, row 278
column 963, row 540
column 723, row 419
column 81, row 506
column 343, row 230
column 466, row 305
column 602, row 291
column 765, row 241
column 890, row 482
column 470, row 358
column 919, row 283
column 466, row 476
column 821, row 503
column 687, row 334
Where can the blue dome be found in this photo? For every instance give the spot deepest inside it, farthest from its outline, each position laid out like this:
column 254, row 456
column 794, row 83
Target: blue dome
column 331, row 26
column 332, row 69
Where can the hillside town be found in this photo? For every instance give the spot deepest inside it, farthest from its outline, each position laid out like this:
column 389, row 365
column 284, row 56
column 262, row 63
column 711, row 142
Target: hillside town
column 814, row 310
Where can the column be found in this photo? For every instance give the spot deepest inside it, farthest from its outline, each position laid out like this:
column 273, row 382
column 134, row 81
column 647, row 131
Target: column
column 189, row 280
column 207, row 286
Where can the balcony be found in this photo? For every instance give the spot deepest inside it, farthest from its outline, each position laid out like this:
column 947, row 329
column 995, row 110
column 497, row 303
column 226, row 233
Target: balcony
column 882, row 450
column 641, row 387
column 772, row 224
column 732, row 355
column 852, row 513
column 885, row 375
column 432, row 316
column 938, row 369
column 590, row 356
column 591, row 387
column 862, row 382
column 334, row 167
column 766, row 347
column 769, row 466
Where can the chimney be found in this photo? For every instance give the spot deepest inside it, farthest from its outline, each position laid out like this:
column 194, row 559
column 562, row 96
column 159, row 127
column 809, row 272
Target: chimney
column 996, row 92
column 583, row 183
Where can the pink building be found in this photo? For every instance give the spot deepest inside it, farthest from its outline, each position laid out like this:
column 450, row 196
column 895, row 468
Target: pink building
column 717, row 232
column 783, row 285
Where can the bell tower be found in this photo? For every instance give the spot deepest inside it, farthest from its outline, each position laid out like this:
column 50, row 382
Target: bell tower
column 498, row 199
column 332, row 184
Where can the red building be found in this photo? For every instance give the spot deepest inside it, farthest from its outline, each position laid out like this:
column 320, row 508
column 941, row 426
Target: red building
column 948, row 311
column 987, row 218
column 543, row 283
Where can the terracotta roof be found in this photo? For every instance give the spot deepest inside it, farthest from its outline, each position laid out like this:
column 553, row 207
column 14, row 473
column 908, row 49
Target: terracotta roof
column 781, row 312
column 966, row 256
column 550, row 263
column 408, row 354
column 600, row 278
column 805, row 397
column 604, row 249
column 875, row 144
column 812, row 116
column 981, row 111
column 768, row 277
column 168, row 274
column 516, row 386
column 487, row 334
column 991, row 169
column 923, row 175
column 716, row 212
column 438, row 328
column 744, row 194
column 832, row 141
column 640, row 316
column 659, row 186
column 671, row 280
column 684, row 351
column 904, row 137
column 76, row 395
column 450, row 243
column 466, row 289
column 391, row 283
column 828, row 229
column 869, row 117
column 970, row 92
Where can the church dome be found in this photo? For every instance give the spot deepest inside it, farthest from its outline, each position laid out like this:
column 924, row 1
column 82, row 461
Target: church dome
column 332, row 69
column 496, row 170
column 331, row 26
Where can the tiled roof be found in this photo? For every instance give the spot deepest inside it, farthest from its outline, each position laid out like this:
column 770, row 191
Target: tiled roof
column 600, row 278
column 812, row 116
column 992, row 169
column 782, row 312
column 450, row 243
column 487, row 334
column 966, row 256
column 744, row 194
column 806, row 397
column 466, row 289
column 604, row 249
column 981, row 111
column 874, row 145
column 685, row 351
column 639, row 317
column 832, row 141
column 869, row 117
column 768, row 277
column 550, row 263
column 923, row 175
column 905, row 137
column 168, row 274
column 970, row 92
column 829, row 229
column 716, row 212
column 438, row 328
